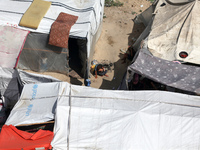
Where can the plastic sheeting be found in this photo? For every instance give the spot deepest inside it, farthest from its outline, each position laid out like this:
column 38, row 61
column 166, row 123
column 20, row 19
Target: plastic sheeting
column 12, row 82
column 88, row 25
column 172, row 74
column 89, row 12
column 89, row 118
column 36, row 105
column 38, row 55
column 9, row 87
column 175, row 29
column 116, row 120
column 28, row 78
column 12, row 138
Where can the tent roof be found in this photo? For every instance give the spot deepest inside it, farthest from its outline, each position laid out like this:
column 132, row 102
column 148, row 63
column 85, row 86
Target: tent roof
column 107, row 119
column 179, row 76
column 86, row 117
column 175, row 29
column 12, row 82
column 89, row 15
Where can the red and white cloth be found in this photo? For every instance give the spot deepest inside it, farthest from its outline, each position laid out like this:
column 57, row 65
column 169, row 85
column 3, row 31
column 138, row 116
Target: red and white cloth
column 11, row 43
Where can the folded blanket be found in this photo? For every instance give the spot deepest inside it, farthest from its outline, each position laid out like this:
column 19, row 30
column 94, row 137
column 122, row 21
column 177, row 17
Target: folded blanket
column 34, row 14
column 59, row 33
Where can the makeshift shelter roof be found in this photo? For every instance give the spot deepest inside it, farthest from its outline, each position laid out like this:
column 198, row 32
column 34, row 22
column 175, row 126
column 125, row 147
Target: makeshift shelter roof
column 173, row 30
column 87, row 27
column 88, row 12
column 89, row 118
column 12, row 82
column 172, row 74
column 37, row 104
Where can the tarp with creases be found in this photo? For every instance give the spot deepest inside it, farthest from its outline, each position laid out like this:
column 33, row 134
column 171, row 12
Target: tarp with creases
column 116, row 120
column 175, row 29
column 37, row 104
column 37, row 55
column 28, row 78
column 89, row 118
column 13, row 139
column 88, row 25
column 12, row 82
column 179, row 76
column 9, row 86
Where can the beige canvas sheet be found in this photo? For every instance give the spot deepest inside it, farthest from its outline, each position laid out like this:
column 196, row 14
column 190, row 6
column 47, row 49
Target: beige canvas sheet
column 34, row 14
column 176, row 28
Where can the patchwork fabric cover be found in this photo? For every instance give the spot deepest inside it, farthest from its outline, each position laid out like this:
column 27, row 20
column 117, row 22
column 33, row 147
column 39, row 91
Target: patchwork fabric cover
column 60, row 29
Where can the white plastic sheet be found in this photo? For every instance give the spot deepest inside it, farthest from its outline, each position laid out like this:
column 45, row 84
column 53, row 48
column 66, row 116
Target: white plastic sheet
column 89, row 12
column 36, row 105
column 118, row 120
column 88, row 118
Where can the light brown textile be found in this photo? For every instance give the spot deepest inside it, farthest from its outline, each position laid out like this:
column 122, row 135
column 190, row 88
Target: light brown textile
column 34, row 14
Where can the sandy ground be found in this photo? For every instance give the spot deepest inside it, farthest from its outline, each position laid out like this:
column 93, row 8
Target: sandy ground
column 118, row 32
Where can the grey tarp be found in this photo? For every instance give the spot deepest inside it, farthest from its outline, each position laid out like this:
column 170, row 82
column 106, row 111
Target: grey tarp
column 38, row 55
column 172, row 74
column 12, row 82
column 9, row 86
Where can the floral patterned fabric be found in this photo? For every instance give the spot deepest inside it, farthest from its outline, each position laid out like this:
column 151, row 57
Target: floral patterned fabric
column 172, row 74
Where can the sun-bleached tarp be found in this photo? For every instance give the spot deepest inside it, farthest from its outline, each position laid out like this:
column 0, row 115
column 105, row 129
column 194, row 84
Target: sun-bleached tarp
column 89, row 13
column 89, row 118
column 37, row 104
column 175, row 29
column 90, row 16
column 12, row 82
column 116, row 120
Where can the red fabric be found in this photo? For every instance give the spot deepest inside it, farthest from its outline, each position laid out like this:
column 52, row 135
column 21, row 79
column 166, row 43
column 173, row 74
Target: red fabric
column 60, row 29
column 13, row 139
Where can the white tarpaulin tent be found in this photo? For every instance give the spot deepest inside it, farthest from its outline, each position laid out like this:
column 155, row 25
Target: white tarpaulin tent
column 37, row 104
column 12, row 82
column 88, row 118
column 88, row 25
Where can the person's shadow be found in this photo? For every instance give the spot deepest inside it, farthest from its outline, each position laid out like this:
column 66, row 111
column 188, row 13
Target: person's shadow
column 119, row 68
column 119, row 71
column 136, row 32
column 75, row 81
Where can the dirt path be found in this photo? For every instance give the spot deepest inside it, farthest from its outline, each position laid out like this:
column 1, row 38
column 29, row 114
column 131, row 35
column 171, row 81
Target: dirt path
column 118, row 32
